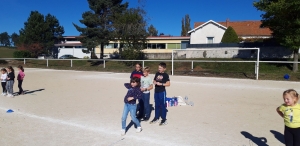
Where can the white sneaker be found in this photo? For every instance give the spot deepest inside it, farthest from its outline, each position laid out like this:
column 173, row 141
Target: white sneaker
column 10, row 95
column 123, row 132
column 138, row 129
column 2, row 94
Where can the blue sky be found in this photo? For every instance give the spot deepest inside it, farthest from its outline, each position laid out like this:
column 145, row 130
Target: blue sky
column 165, row 15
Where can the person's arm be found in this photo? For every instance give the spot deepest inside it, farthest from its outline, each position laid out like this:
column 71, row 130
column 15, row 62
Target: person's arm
column 279, row 112
column 150, row 87
column 139, row 94
column 167, row 84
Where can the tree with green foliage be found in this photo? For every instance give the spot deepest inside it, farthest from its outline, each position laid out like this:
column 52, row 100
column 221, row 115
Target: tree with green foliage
column 283, row 19
column 98, row 23
column 152, row 30
column 40, row 31
column 14, row 38
column 4, row 39
column 131, row 31
column 185, row 25
column 230, row 36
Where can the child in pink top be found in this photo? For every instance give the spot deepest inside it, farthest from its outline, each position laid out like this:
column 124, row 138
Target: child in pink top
column 20, row 79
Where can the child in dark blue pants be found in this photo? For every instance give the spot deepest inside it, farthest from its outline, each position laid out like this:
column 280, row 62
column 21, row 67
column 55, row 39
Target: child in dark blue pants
column 161, row 80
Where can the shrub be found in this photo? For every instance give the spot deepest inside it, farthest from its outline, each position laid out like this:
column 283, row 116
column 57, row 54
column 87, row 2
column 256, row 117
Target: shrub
column 230, row 36
column 132, row 54
column 86, row 57
column 22, row 54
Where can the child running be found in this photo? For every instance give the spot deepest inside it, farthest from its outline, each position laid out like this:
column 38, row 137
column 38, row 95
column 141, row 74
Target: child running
column 145, row 87
column 137, row 72
column 10, row 81
column 161, row 80
column 290, row 112
column 20, row 79
column 3, row 81
column 134, row 92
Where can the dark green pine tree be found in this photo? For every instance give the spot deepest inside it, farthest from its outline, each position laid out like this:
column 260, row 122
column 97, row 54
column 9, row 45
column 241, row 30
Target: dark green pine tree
column 40, row 31
column 98, row 29
column 230, row 36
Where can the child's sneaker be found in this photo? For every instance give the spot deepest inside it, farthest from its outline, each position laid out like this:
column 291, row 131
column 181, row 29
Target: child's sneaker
column 138, row 129
column 154, row 121
column 2, row 94
column 163, row 122
column 10, row 95
column 123, row 132
column 146, row 119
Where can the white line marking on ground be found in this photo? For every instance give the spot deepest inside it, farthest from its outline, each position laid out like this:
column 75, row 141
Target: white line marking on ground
column 90, row 128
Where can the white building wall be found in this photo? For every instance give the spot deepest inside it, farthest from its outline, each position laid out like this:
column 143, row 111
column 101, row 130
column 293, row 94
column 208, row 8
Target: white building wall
column 200, row 35
column 76, row 52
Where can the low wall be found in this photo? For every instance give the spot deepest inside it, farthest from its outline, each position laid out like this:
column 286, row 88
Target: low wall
column 265, row 52
column 158, row 55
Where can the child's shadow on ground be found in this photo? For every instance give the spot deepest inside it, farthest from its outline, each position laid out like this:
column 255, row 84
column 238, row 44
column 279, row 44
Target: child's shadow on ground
column 32, row 91
column 260, row 141
column 278, row 136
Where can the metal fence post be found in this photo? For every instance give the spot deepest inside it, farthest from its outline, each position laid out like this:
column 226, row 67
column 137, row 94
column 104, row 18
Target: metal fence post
column 24, row 61
column 192, row 65
column 71, row 63
column 47, row 62
column 143, row 63
column 104, row 63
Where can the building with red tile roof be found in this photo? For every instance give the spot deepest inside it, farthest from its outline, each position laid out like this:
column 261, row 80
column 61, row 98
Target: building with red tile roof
column 212, row 32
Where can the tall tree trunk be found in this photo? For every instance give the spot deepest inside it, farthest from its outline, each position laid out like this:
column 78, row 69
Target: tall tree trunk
column 296, row 55
column 102, row 51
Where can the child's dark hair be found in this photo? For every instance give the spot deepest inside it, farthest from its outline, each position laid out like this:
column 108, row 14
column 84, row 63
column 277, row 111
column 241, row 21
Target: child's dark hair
column 3, row 69
column 21, row 68
column 136, row 80
column 139, row 64
column 11, row 69
column 162, row 64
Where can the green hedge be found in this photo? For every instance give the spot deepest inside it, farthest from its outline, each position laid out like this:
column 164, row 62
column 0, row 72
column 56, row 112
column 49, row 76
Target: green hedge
column 22, row 54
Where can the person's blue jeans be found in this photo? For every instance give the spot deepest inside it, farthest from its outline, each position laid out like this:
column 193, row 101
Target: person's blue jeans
column 160, row 105
column 132, row 109
column 146, row 102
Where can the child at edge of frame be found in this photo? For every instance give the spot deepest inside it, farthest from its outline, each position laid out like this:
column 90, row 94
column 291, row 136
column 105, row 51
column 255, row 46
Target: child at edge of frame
column 290, row 112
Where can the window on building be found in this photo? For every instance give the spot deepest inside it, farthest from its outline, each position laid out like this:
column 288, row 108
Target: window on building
column 161, row 46
column 173, row 46
column 71, row 39
column 210, row 40
column 153, row 46
column 115, row 45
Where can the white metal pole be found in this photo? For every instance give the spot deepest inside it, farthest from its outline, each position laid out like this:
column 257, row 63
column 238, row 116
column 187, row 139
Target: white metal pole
column 47, row 62
column 257, row 66
column 192, row 65
column 143, row 63
column 71, row 63
column 172, row 62
column 24, row 61
column 103, row 63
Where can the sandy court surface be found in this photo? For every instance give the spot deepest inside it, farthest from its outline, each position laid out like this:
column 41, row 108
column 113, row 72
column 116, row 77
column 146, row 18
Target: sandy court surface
column 79, row 108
